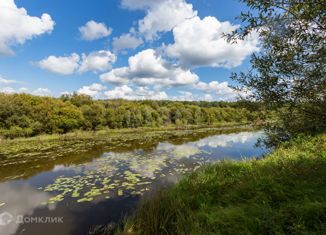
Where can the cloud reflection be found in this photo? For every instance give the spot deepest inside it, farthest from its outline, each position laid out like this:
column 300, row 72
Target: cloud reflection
column 19, row 200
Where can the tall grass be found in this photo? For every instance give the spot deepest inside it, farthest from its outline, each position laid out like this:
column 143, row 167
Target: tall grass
column 284, row 193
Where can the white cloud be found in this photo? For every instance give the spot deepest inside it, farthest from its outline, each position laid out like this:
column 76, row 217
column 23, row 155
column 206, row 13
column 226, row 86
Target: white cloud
column 200, row 42
column 66, row 93
column 16, row 26
column 98, row 61
column 5, row 81
column 38, row 91
column 120, row 92
column 146, row 68
column 126, row 92
column 147, row 64
column 7, row 90
column 117, row 76
column 22, row 90
column 95, row 90
column 161, row 15
column 64, row 65
column 191, row 96
column 93, row 31
column 42, row 92
column 126, row 41
column 220, row 89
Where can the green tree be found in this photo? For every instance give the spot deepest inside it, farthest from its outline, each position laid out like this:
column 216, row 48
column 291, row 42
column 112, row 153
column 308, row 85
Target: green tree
column 289, row 72
column 94, row 115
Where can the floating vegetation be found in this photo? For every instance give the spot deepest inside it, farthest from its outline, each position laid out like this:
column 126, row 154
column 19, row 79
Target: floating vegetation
column 85, row 200
column 56, row 199
column 185, row 151
column 121, row 174
column 2, row 204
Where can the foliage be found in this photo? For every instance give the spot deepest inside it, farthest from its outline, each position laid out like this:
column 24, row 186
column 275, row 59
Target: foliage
column 23, row 115
column 289, row 71
column 284, row 193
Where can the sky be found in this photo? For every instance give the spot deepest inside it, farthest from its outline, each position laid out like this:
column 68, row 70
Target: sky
column 130, row 49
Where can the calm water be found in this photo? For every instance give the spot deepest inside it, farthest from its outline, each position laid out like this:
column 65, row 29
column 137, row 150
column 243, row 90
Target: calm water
column 108, row 187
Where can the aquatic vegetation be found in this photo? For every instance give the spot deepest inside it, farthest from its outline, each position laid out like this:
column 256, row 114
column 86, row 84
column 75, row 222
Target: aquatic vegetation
column 85, row 200
column 22, row 158
column 57, row 198
column 2, row 204
column 185, row 151
column 122, row 174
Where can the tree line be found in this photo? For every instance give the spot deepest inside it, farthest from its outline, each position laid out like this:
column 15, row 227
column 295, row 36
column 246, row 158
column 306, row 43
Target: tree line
column 24, row 115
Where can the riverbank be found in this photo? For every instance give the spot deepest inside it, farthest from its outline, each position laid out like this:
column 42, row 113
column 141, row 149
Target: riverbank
column 284, row 193
column 27, row 156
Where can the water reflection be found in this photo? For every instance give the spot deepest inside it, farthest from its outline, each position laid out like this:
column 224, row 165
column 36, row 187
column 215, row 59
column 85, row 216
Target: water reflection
column 109, row 186
column 19, row 200
column 229, row 140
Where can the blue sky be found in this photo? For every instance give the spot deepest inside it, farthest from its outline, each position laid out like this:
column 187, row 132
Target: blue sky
column 133, row 49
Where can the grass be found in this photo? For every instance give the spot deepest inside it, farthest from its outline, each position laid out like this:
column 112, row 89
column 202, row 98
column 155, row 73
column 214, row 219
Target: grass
column 284, row 193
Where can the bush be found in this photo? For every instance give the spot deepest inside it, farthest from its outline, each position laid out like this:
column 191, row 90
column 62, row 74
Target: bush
column 16, row 131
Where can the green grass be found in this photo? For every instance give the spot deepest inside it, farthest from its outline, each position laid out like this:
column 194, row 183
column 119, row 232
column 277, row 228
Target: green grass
column 284, row 193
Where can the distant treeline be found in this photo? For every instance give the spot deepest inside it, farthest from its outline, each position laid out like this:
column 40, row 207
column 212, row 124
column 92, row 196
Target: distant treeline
column 23, row 115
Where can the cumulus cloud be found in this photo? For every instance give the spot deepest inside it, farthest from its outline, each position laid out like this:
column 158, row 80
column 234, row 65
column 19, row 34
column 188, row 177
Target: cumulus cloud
column 191, row 96
column 222, row 90
column 93, row 30
column 141, row 93
column 97, row 61
column 126, row 41
column 6, row 81
column 7, row 90
column 147, row 68
column 147, row 64
column 95, row 90
column 64, row 65
column 161, row 15
column 117, row 76
column 16, row 26
column 38, row 91
column 42, row 92
column 200, row 42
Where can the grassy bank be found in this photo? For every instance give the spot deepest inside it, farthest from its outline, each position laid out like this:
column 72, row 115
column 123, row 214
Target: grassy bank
column 284, row 193
column 21, row 158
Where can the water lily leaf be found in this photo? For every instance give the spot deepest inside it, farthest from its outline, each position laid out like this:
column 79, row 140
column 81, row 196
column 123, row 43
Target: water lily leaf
column 86, row 199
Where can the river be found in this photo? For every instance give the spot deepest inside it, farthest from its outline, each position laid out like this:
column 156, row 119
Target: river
column 74, row 197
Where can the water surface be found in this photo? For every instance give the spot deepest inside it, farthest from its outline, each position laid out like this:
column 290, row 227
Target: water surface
column 106, row 187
